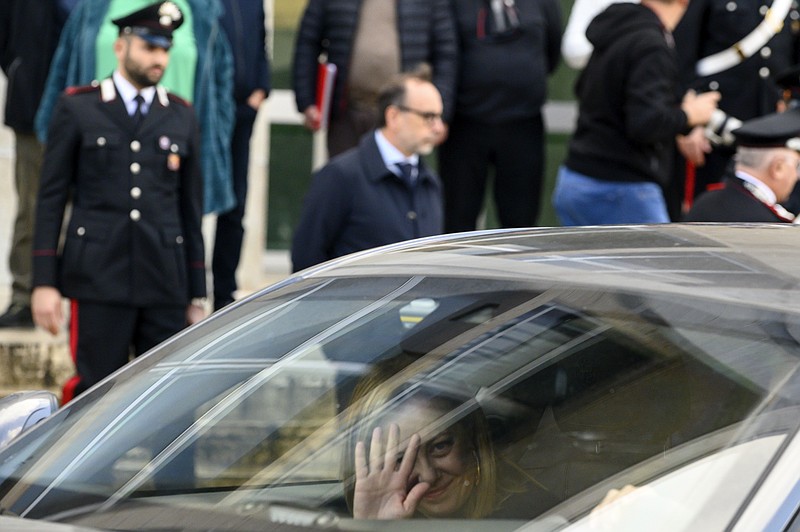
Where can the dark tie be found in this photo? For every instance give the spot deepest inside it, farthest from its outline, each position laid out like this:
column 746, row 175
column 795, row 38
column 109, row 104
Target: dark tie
column 407, row 171
column 138, row 115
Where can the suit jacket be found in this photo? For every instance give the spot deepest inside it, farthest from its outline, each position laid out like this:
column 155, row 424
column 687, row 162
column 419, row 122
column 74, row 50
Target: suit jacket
column 134, row 235
column 243, row 23
column 355, row 203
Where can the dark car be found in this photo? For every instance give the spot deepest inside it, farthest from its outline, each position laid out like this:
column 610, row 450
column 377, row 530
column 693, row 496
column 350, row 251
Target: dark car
column 553, row 367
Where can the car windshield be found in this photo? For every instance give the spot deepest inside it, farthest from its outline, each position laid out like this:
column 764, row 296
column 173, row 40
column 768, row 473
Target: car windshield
column 252, row 419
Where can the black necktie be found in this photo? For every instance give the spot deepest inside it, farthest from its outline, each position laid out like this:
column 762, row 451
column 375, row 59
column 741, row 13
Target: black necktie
column 407, row 171
column 138, row 115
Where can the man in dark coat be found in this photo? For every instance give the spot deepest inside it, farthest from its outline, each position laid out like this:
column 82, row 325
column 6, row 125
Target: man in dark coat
column 379, row 192
column 28, row 37
column 243, row 22
column 369, row 41
column 126, row 153
column 767, row 160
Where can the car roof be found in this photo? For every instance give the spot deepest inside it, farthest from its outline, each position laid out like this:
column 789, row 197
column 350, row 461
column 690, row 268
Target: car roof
column 746, row 263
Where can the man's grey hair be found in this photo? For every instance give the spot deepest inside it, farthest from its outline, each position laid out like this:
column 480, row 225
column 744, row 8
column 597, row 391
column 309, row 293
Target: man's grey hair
column 756, row 157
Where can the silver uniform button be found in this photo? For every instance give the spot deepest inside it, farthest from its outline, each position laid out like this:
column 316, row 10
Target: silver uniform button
column 763, row 10
column 81, row 231
column 763, row 72
column 411, row 215
column 136, row 192
column 136, row 168
column 179, row 239
column 174, row 148
column 714, row 85
column 766, row 52
column 731, row 6
column 136, row 146
column 101, row 141
column 136, row 215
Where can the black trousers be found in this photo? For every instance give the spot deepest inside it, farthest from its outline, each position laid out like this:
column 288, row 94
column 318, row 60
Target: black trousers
column 229, row 233
column 516, row 153
column 103, row 337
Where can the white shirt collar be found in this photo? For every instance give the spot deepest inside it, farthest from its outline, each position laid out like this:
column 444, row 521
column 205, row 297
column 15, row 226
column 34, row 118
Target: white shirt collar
column 766, row 193
column 391, row 155
column 128, row 92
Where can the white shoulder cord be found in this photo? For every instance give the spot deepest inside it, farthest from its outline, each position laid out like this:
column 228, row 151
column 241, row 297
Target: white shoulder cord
column 752, row 43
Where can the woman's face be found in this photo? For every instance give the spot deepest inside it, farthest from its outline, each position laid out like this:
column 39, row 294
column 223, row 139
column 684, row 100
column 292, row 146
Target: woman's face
column 445, row 460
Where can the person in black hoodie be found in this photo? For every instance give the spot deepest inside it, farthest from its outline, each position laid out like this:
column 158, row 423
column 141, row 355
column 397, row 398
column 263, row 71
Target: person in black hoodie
column 630, row 114
column 29, row 34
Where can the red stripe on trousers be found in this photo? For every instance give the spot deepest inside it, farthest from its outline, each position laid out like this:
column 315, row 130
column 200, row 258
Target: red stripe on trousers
column 68, row 391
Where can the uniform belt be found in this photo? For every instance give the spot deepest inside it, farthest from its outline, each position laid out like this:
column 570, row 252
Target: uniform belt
column 752, row 43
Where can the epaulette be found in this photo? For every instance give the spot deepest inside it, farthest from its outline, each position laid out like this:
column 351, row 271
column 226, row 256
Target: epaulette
column 82, row 89
column 179, row 100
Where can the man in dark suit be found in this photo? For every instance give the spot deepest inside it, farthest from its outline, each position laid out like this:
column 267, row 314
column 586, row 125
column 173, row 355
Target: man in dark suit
column 767, row 159
column 243, row 22
column 379, row 192
column 126, row 153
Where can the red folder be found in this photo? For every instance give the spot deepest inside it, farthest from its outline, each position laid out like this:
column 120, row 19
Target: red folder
column 326, row 77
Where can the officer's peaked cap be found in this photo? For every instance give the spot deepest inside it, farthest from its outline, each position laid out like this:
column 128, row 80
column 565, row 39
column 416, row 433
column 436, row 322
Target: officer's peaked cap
column 776, row 130
column 154, row 23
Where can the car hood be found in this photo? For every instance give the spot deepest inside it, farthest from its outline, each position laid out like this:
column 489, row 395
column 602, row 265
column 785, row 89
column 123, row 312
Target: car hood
column 18, row 524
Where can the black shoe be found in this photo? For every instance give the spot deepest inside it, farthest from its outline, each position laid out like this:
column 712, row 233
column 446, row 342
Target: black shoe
column 17, row 316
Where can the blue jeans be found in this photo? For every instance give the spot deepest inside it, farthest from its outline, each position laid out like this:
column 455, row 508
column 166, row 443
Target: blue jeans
column 582, row 200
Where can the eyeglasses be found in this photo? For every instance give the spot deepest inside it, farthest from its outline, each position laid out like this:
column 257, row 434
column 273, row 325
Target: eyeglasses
column 429, row 117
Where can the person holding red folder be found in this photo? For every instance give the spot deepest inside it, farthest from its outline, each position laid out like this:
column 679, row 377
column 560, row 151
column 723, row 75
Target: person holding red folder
column 365, row 43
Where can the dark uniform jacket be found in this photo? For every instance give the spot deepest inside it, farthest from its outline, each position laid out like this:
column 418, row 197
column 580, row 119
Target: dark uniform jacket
column 710, row 26
column 134, row 235
column 427, row 34
column 629, row 110
column 732, row 203
column 355, row 203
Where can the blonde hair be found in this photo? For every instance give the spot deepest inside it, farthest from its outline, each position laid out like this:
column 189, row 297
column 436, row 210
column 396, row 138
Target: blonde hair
column 372, row 399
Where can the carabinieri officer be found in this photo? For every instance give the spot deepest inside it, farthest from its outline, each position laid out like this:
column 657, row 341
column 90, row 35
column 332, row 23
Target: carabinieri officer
column 125, row 152
column 767, row 162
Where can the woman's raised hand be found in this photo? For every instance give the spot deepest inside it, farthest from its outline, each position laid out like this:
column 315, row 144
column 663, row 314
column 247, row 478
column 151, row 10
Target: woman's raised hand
column 383, row 486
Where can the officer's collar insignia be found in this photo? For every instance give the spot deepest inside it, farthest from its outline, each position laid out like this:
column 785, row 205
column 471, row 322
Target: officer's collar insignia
column 163, row 98
column 108, row 92
column 776, row 208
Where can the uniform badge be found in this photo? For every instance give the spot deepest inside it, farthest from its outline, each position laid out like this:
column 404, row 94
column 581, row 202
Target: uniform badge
column 168, row 13
column 174, row 162
column 163, row 142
